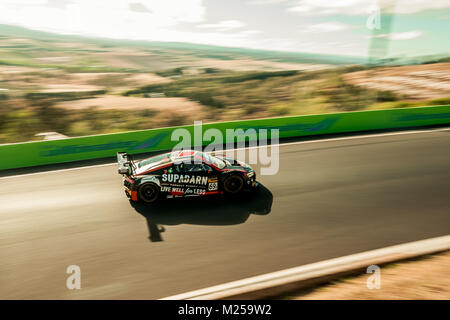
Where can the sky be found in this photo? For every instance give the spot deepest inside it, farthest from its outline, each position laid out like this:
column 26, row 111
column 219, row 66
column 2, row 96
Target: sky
column 343, row 27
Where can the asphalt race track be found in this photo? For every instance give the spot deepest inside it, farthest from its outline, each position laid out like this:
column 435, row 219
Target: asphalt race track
column 330, row 198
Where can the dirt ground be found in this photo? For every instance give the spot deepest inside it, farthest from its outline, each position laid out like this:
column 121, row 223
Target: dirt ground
column 258, row 65
column 424, row 279
column 19, row 78
column 418, row 82
column 53, row 88
column 108, row 102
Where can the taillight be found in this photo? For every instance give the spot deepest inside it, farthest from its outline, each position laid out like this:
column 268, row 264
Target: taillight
column 128, row 182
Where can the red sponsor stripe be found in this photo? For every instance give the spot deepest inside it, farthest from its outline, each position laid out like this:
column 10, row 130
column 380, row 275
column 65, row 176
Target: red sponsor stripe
column 186, row 154
column 200, row 158
column 156, row 168
column 235, row 170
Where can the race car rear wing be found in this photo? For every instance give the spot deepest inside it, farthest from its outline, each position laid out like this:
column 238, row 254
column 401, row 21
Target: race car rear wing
column 125, row 163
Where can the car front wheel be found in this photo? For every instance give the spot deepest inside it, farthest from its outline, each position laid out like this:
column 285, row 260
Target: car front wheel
column 233, row 184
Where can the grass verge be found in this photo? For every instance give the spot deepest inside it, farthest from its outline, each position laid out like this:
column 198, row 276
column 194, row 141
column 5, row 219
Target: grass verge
column 426, row 278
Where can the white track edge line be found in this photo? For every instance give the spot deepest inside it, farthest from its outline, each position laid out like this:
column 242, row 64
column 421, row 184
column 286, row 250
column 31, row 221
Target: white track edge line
column 326, row 267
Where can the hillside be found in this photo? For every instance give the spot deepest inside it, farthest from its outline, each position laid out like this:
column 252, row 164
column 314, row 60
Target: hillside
column 78, row 86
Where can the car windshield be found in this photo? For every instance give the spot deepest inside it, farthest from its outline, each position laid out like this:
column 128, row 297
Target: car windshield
column 214, row 161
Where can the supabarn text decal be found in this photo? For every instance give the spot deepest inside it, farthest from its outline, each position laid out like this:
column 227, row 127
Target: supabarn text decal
column 184, row 178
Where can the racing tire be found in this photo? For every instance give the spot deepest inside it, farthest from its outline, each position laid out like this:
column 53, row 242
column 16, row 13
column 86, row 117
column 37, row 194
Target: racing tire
column 148, row 192
column 233, row 184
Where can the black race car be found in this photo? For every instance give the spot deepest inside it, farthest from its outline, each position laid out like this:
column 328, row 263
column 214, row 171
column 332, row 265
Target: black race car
column 183, row 174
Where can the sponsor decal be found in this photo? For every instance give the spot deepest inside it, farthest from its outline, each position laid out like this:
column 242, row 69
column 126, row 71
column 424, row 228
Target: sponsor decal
column 151, row 142
column 213, row 186
column 184, row 178
column 185, row 191
column 70, row 149
column 307, row 127
column 422, row 116
column 194, row 191
column 114, row 145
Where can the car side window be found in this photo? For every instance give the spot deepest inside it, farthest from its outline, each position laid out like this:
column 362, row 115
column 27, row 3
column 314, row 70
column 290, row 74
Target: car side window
column 178, row 168
column 193, row 167
column 167, row 170
column 207, row 168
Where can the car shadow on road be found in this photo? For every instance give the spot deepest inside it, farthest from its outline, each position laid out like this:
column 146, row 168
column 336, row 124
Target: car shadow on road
column 208, row 210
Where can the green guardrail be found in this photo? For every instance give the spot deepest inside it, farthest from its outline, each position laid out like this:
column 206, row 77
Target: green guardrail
column 100, row 146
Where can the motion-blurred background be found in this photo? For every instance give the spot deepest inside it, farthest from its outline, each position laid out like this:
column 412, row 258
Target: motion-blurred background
column 76, row 67
column 83, row 67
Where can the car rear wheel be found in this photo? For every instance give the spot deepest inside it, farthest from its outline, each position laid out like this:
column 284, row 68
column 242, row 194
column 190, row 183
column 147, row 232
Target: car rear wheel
column 233, row 184
column 149, row 192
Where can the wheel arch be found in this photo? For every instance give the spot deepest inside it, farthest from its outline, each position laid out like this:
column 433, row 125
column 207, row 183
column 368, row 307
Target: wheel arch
column 146, row 179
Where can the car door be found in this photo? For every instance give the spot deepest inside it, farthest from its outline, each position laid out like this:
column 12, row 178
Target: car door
column 213, row 179
column 166, row 177
column 195, row 178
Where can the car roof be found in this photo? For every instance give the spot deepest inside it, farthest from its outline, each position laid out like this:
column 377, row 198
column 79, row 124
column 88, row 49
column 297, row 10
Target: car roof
column 185, row 155
column 165, row 159
column 176, row 155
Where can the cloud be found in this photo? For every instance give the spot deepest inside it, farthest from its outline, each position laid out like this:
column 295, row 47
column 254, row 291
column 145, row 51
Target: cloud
column 331, row 26
column 361, row 7
column 201, row 21
column 400, row 35
column 251, row 32
column 118, row 18
column 225, row 25
column 324, row 7
column 138, row 7
column 265, row 2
